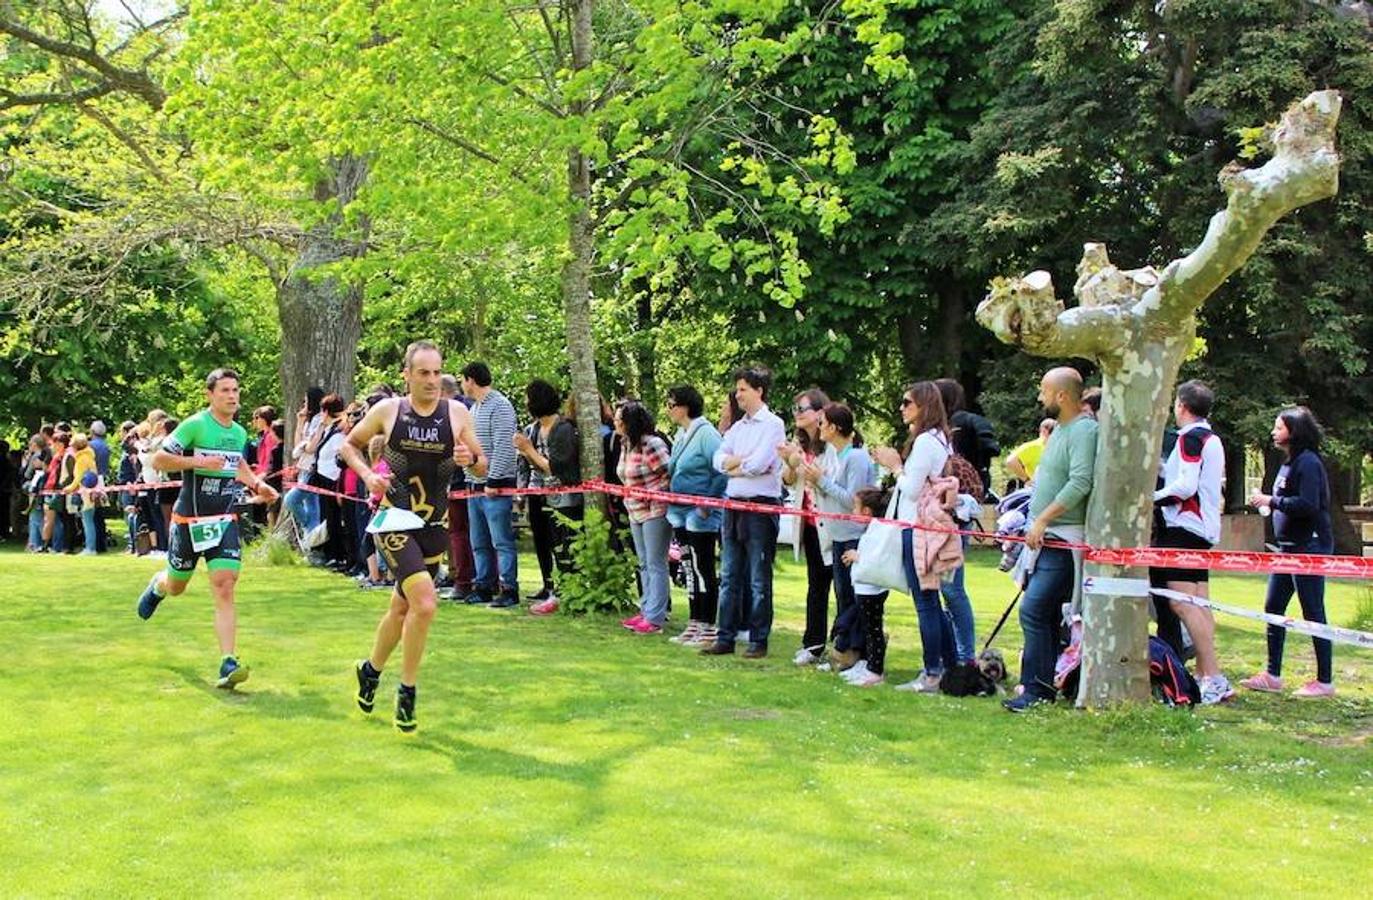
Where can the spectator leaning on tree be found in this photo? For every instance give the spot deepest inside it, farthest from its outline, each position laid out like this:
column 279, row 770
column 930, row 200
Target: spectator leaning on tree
column 1058, row 509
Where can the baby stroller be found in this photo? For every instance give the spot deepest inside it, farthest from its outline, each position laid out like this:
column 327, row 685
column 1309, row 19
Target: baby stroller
column 1012, row 518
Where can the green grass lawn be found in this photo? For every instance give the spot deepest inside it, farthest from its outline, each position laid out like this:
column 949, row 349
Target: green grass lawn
column 568, row 756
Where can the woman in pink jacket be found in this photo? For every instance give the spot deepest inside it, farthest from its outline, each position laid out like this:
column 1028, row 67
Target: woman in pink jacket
column 946, row 637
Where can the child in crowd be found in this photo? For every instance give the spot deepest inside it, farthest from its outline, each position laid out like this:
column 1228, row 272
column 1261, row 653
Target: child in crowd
column 871, row 599
column 375, row 459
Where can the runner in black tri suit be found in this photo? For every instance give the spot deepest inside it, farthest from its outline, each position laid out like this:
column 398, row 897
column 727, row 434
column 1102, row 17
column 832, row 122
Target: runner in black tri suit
column 207, row 449
column 426, row 437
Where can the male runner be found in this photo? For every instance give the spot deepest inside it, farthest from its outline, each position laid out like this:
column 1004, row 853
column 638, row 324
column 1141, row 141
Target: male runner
column 427, row 435
column 207, row 449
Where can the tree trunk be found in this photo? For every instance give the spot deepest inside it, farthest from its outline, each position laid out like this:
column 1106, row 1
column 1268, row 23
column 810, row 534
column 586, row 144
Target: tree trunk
column 1343, row 492
column 948, row 350
column 577, row 271
column 1137, row 326
column 1236, row 472
column 320, row 315
column 646, row 350
column 910, row 337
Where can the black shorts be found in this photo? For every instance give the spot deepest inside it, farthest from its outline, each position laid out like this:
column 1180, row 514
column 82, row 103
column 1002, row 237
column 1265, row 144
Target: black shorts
column 182, row 555
column 411, row 552
column 1175, row 538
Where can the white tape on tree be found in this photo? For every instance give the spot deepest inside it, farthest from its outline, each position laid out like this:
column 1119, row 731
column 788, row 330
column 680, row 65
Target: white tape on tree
column 1115, row 587
column 1301, row 626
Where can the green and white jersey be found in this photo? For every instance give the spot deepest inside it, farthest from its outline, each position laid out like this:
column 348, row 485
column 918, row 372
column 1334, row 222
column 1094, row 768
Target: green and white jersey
column 207, row 492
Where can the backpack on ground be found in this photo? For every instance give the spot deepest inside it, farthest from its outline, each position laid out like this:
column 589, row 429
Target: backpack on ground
column 1171, row 682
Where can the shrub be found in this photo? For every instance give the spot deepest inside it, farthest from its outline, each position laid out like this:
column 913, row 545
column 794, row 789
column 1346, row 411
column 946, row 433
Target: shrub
column 1363, row 611
column 274, row 550
column 604, row 577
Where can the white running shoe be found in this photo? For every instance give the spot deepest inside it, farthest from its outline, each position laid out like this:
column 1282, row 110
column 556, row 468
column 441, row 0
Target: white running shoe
column 868, row 679
column 806, row 657
column 922, row 684
column 855, row 671
column 1215, row 689
column 688, row 635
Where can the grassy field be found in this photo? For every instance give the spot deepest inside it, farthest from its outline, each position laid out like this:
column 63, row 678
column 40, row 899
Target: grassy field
column 568, row 756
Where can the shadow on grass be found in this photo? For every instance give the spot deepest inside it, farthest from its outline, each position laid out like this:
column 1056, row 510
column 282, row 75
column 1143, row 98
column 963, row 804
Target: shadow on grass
column 272, row 704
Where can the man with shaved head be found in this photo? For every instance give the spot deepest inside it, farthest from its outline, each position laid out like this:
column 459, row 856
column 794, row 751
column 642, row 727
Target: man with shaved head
column 1058, row 510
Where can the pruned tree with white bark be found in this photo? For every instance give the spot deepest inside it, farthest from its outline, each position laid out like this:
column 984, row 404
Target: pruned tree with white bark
column 1138, row 326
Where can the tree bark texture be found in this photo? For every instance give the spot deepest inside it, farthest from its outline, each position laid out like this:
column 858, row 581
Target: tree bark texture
column 321, row 315
column 1138, row 327
column 581, row 347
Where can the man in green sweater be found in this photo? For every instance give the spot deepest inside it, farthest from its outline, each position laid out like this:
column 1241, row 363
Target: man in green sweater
column 1058, row 508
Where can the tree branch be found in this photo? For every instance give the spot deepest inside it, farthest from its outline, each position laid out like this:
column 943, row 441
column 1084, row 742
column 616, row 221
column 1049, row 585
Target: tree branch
column 10, row 100
column 1304, row 168
column 137, row 83
column 1025, row 312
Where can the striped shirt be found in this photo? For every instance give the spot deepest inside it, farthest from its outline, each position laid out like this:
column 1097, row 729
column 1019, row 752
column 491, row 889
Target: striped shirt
column 494, row 420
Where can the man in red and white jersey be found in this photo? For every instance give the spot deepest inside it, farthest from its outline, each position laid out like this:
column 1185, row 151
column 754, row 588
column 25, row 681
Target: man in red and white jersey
column 1190, row 502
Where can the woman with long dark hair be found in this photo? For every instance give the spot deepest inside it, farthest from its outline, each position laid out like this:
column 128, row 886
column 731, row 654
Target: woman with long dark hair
column 804, row 450
column 643, row 464
column 946, row 638
column 1300, row 506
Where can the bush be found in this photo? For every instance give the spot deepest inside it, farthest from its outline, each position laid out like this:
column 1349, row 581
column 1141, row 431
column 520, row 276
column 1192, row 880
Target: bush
column 1363, row 612
column 274, row 550
column 604, row 577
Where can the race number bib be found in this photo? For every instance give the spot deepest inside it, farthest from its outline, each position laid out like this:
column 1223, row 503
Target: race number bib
column 207, row 533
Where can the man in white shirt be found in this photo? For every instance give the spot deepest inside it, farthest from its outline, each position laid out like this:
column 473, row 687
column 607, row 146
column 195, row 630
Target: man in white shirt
column 1190, row 503
column 748, row 540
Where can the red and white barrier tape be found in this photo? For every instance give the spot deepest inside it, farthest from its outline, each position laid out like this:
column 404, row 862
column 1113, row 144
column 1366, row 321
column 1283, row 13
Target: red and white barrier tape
column 1218, row 560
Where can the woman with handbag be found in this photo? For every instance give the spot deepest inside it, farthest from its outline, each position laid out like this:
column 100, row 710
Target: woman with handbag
column 946, row 638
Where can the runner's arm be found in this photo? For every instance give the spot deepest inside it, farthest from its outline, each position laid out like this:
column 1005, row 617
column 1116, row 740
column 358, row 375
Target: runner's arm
column 255, row 483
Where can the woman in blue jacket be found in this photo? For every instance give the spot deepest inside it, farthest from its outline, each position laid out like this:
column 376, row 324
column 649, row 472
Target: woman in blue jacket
column 1300, row 505
column 697, row 528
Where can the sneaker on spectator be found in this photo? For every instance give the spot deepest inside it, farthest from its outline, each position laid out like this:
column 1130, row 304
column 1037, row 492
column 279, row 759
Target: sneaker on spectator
column 632, row 621
column 868, row 679
column 705, row 637
column 447, row 593
column 545, row 607
column 857, row 670
column 1269, row 684
column 807, row 656
column 923, row 683
column 644, row 626
column 1314, row 690
column 689, row 633
column 1215, row 689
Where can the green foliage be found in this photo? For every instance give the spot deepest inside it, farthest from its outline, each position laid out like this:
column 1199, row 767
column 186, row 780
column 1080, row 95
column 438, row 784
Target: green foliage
column 274, row 551
column 604, row 578
column 1363, row 611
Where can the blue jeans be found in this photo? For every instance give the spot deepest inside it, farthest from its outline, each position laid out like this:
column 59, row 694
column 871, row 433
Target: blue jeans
column 89, row 525
column 1041, row 616
column 304, row 508
column 36, row 526
column 960, row 608
column 939, row 646
column 492, row 531
column 748, row 544
column 651, row 538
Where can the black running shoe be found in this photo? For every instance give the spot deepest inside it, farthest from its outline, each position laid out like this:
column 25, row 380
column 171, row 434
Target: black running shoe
column 367, row 688
column 405, row 711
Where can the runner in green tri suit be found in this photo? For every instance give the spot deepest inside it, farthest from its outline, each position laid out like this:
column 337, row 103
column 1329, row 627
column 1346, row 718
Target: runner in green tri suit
column 426, row 436
column 207, row 449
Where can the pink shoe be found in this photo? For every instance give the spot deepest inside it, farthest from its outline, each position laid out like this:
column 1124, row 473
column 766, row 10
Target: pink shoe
column 633, row 621
column 644, row 626
column 1314, row 690
column 1269, row 684
column 546, row 608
